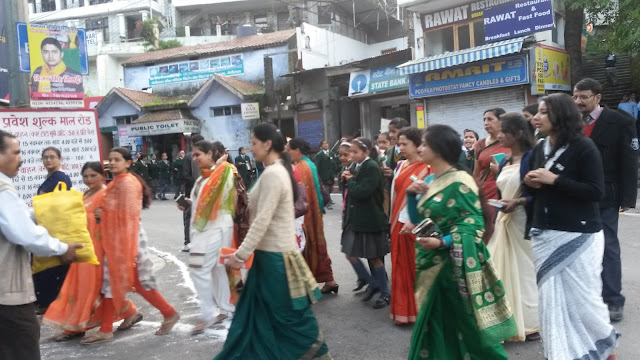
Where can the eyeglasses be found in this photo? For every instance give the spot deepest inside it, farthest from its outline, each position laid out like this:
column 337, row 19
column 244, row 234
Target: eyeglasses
column 49, row 157
column 583, row 97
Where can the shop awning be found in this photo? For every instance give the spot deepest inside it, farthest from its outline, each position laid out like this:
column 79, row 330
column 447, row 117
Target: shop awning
column 441, row 61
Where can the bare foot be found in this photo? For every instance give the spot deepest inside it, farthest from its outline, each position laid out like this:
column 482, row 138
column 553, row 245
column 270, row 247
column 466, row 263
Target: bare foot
column 220, row 318
column 168, row 324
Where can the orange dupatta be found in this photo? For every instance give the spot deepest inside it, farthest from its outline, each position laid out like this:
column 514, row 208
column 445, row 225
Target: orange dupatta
column 402, row 181
column 315, row 251
column 120, row 225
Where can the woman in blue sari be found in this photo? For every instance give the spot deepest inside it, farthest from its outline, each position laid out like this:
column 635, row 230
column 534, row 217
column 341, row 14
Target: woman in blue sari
column 463, row 313
column 48, row 282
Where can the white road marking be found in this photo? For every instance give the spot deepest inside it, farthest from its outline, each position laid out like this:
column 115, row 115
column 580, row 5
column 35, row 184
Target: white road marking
column 184, row 270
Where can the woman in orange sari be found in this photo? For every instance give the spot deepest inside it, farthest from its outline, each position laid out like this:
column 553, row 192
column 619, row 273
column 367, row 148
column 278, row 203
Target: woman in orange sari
column 403, row 253
column 315, row 251
column 485, row 168
column 124, row 245
column 79, row 305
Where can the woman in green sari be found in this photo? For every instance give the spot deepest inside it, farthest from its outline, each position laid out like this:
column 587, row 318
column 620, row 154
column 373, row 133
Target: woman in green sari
column 463, row 313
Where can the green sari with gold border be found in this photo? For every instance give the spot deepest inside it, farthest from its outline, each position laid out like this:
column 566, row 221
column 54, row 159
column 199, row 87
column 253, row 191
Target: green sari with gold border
column 463, row 312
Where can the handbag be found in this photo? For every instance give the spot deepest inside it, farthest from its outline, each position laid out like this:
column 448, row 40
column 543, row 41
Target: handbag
column 302, row 205
column 427, row 228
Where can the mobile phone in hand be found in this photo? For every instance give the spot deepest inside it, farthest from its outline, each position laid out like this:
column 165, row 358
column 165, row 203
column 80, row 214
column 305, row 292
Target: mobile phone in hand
column 182, row 201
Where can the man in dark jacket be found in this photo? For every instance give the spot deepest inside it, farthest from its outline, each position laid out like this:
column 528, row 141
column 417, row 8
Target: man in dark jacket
column 615, row 136
column 190, row 173
column 164, row 176
column 243, row 164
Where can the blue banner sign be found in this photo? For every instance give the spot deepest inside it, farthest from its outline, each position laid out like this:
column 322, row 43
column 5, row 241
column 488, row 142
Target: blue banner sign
column 517, row 19
column 494, row 73
column 377, row 80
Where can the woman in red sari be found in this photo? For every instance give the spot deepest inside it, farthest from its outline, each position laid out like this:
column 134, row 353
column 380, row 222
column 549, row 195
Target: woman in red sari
column 315, row 251
column 403, row 253
column 79, row 306
column 485, row 168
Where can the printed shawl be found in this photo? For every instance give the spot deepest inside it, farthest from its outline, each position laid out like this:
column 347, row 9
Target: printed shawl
column 211, row 201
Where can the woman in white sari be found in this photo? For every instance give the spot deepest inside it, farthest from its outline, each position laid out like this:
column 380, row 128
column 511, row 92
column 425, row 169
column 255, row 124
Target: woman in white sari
column 509, row 246
column 568, row 244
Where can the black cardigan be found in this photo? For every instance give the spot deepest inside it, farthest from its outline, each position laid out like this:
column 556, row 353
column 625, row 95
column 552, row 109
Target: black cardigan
column 571, row 203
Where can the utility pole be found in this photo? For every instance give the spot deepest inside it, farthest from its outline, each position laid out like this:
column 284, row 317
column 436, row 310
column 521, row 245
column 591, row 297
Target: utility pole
column 13, row 11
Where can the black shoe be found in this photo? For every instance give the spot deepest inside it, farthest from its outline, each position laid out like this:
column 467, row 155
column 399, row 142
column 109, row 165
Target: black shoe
column 616, row 313
column 382, row 302
column 361, row 284
column 370, row 294
column 329, row 207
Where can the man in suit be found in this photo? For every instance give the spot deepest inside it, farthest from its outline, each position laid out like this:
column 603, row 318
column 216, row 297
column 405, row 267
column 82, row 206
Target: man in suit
column 163, row 169
column 615, row 136
column 153, row 175
column 243, row 163
column 326, row 165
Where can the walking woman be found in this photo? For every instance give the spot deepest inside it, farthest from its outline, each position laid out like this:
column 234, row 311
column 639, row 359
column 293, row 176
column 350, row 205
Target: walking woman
column 463, row 311
column 214, row 196
column 568, row 243
column 79, row 307
column 315, row 251
column 47, row 283
column 125, row 247
column 485, row 168
column 273, row 318
column 510, row 247
column 403, row 252
column 364, row 234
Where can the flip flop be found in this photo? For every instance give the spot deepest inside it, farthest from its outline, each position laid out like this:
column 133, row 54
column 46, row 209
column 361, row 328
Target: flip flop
column 97, row 338
column 126, row 324
column 168, row 324
column 66, row 337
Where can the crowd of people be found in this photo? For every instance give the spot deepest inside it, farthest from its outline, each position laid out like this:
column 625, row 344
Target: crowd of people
column 512, row 237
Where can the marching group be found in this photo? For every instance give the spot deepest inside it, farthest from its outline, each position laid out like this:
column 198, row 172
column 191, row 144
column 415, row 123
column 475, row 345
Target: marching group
column 508, row 238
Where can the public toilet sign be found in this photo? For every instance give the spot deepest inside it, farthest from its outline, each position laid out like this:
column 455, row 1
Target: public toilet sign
column 519, row 18
column 163, row 127
column 250, row 111
column 376, row 80
column 495, row 73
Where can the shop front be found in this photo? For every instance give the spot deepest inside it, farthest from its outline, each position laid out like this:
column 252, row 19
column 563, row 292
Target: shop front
column 164, row 131
column 456, row 88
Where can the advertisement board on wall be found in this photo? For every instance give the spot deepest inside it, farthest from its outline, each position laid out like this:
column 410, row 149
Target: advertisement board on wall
column 250, row 111
column 74, row 132
column 163, row 127
column 519, row 18
column 494, row 73
column 555, row 67
column 227, row 65
column 54, row 59
column 376, row 80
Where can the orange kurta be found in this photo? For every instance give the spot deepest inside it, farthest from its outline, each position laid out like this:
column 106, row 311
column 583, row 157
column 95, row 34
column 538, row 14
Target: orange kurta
column 78, row 307
column 403, row 254
column 315, row 251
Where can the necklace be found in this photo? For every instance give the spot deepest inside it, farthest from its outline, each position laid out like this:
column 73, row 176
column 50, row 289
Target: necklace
column 446, row 172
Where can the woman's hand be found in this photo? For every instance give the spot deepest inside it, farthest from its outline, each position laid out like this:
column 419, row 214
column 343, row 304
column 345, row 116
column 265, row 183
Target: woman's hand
column 528, row 180
column 387, row 171
column 543, row 176
column 230, row 261
column 509, row 205
column 407, row 228
column 494, row 166
column 429, row 243
column 97, row 213
column 418, row 187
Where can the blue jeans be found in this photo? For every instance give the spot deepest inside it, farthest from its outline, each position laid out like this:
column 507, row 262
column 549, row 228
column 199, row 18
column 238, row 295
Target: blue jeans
column 611, row 264
column 163, row 184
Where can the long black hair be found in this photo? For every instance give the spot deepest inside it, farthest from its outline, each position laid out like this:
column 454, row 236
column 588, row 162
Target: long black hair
column 515, row 124
column 265, row 132
column 565, row 118
column 146, row 191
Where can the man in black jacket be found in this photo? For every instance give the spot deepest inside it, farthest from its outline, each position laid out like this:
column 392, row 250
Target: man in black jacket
column 615, row 136
column 190, row 173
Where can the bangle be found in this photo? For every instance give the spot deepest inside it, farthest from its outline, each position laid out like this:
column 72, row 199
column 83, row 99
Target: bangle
column 442, row 243
column 518, row 202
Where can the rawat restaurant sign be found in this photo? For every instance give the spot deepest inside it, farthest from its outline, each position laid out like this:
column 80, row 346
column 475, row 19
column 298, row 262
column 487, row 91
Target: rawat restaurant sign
column 250, row 111
column 458, row 14
column 495, row 73
column 519, row 18
column 163, row 127
column 376, row 80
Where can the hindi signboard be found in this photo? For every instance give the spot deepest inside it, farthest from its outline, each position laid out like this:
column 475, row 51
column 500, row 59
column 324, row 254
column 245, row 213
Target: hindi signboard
column 227, row 65
column 494, row 73
column 74, row 132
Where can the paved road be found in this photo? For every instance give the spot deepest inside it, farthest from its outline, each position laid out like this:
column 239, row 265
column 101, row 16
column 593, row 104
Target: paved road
column 352, row 329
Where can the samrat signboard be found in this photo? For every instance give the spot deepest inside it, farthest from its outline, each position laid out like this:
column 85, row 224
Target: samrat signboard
column 55, row 62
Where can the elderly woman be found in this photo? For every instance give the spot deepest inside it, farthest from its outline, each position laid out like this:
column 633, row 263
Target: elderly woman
column 568, row 244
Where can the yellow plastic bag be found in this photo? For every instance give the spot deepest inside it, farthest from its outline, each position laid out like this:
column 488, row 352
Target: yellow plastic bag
column 62, row 213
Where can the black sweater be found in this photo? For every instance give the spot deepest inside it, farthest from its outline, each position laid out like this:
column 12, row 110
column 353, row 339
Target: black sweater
column 571, row 203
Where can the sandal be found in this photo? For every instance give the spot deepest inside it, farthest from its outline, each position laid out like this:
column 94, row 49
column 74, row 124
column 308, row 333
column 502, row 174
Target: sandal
column 130, row 321
column 168, row 324
column 97, row 338
column 66, row 337
column 198, row 329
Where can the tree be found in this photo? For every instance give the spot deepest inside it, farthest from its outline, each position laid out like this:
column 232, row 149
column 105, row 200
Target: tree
column 622, row 18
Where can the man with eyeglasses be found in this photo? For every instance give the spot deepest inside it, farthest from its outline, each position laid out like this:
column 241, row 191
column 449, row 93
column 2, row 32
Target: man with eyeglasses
column 615, row 136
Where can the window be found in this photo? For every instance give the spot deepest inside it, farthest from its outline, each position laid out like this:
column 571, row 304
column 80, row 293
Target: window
column 99, row 25
column 124, row 120
column 225, row 111
column 47, row 5
column 96, row 2
column 324, row 14
column 453, row 38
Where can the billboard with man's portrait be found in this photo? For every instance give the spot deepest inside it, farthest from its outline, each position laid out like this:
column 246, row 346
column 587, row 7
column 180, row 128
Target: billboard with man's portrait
column 56, row 71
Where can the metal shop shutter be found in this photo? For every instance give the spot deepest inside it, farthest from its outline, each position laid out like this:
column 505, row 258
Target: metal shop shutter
column 464, row 111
